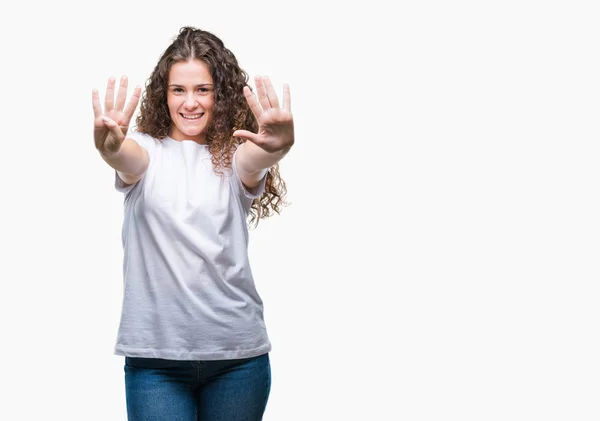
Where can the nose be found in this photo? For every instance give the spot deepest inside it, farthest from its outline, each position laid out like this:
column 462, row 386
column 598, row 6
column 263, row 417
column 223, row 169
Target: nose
column 191, row 102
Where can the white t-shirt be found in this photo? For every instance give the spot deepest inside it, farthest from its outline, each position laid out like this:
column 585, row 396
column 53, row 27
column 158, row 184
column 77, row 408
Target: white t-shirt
column 188, row 292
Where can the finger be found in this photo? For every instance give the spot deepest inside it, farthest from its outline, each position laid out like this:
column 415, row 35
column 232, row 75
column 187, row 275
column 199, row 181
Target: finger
column 261, row 93
column 256, row 110
column 121, row 94
column 245, row 134
column 96, row 104
column 271, row 94
column 287, row 101
column 133, row 102
column 110, row 95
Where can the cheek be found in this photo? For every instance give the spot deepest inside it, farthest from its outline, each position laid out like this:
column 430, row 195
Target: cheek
column 209, row 103
column 170, row 104
column 173, row 106
column 210, row 110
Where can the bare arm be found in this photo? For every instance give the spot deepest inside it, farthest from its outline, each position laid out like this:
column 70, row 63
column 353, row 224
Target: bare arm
column 252, row 162
column 130, row 162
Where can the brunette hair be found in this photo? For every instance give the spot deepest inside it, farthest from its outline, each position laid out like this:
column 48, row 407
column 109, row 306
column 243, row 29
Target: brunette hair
column 231, row 111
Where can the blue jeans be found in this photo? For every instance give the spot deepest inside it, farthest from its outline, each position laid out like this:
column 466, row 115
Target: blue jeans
column 169, row 390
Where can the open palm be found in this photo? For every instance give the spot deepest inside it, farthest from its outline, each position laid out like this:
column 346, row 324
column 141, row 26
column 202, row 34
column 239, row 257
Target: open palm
column 111, row 126
column 275, row 123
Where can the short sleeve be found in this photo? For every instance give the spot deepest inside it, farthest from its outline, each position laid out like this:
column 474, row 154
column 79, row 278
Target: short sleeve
column 248, row 194
column 149, row 144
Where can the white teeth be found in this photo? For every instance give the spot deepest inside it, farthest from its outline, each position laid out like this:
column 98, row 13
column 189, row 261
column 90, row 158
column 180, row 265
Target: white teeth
column 192, row 117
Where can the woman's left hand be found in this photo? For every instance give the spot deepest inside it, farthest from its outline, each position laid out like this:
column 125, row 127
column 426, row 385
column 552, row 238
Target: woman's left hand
column 275, row 123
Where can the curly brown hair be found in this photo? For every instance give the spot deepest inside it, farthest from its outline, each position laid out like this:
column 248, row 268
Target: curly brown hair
column 231, row 111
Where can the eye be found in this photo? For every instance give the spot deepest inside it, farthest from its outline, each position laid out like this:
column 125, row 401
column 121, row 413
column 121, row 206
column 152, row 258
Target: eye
column 177, row 90
column 204, row 89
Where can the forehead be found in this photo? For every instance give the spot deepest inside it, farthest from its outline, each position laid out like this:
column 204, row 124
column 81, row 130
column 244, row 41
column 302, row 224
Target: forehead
column 193, row 72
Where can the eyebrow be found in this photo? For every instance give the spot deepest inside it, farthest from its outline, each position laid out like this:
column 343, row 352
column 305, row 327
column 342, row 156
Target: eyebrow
column 181, row 86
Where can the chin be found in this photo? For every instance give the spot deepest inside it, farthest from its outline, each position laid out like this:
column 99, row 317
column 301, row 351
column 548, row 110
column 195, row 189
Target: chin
column 194, row 133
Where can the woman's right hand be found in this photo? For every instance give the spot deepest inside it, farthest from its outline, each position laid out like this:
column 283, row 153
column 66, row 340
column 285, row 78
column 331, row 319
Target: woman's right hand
column 111, row 126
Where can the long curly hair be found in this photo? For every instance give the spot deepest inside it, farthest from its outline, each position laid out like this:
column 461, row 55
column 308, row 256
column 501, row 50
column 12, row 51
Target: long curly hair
column 231, row 111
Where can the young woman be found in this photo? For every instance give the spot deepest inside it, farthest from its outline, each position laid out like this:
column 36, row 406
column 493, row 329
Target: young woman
column 202, row 161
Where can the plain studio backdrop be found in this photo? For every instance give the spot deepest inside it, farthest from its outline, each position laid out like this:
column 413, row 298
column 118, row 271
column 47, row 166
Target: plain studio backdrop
column 439, row 259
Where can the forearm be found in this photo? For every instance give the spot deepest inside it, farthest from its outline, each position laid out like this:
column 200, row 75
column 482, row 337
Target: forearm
column 256, row 159
column 131, row 159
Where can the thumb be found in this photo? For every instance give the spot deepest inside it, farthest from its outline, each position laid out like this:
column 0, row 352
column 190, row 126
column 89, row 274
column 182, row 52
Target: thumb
column 114, row 128
column 245, row 134
column 113, row 142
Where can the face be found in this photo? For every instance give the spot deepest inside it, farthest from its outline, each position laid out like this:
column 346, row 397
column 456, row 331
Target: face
column 191, row 98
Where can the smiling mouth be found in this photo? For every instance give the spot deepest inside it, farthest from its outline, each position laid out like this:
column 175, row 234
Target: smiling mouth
column 191, row 117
